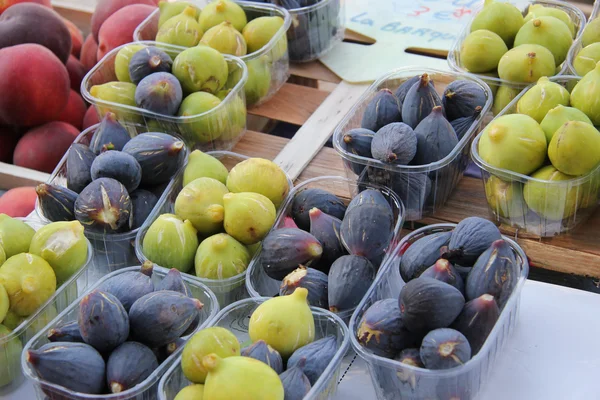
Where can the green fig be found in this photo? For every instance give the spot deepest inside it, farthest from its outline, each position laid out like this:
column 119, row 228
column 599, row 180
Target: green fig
column 585, row 96
column 526, row 63
column 15, row 235
column 225, row 39
column 122, row 61
column 2, row 255
column 236, row 125
column 29, row 281
column 201, row 203
column 591, row 33
column 494, row 85
column 202, row 128
column 116, row 92
column 169, row 10
column 514, row 142
column 504, row 95
column 549, row 32
column 575, row 148
column 538, row 10
column 4, row 303
column 10, row 356
column 220, row 11
column 259, row 79
column 200, row 68
column 191, row 392
column 202, row 165
column 502, row 18
column 551, row 200
column 558, row 116
column 181, row 30
column 248, row 216
column 285, row 323
column 259, row 32
column 541, row 98
column 63, row 246
column 253, row 248
column 240, row 378
column 213, row 340
column 504, row 198
column 171, row 242
column 221, row 257
column 259, row 175
column 482, row 50
column 586, row 59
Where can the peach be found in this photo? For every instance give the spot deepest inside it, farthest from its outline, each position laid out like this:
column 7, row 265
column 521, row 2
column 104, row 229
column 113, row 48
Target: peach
column 18, row 202
column 76, row 37
column 8, row 140
column 106, row 8
column 34, row 85
column 74, row 111
column 34, row 23
column 91, row 117
column 118, row 28
column 76, row 72
column 4, row 4
column 88, row 52
column 43, row 147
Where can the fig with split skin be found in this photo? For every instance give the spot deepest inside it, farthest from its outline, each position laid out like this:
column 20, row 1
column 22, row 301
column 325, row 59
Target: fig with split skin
column 181, row 30
column 200, row 68
column 315, row 281
column 541, row 98
column 226, row 39
column 444, row 348
column 310, row 198
column 56, row 202
column 586, row 59
column 104, row 206
column 410, row 356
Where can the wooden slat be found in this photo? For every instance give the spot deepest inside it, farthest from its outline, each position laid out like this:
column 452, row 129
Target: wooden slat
column 314, row 70
column 12, row 176
column 292, row 103
column 258, row 144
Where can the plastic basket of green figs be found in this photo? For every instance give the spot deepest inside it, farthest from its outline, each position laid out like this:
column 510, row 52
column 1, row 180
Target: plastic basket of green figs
column 118, row 339
column 134, row 175
column 211, row 219
column 585, row 52
column 195, row 94
column 322, row 347
column 42, row 270
column 411, row 131
column 436, row 332
column 511, row 45
column 331, row 236
column 253, row 31
column 540, row 157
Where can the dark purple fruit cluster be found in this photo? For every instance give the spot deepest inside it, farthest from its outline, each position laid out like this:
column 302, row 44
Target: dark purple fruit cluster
column 114, row 183
column 457, row 282
column 331, row 249
column 124, row 330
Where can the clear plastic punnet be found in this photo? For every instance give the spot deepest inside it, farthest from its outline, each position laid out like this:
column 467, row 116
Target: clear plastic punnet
column 578, row 46
column 219, row 128
column 11, row 377
column 564, row 204
column 235, row 317
column 111, row 251
column 394, row 380
column 272, row 57
column 423, row 189
column 227, row 290
column 145, row 390
column 259, row 284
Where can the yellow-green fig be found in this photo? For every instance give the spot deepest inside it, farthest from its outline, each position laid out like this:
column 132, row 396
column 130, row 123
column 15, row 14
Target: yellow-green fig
column 221, row 257
column 200, row 68
column 213, row 340
column 220, row 11
column 202, row 128
column 526, row 63
column 15, row 235
column 541, row 98
column 122, row 61
column 191, row 392
column 225, row 39
column 538, row 10
column 550, row 200
column 202, row 165
column 12, row 320
column 248, row 216
column 494, row 85
column 504, row 95
column 284, row 323
column 585, row 96
column 171, row 242
column 259, row 79
column 181, row 30
column 29, row 281
column 201, row 202
column 591, row 33
column 260, row 31
column 514, row 142
column 575, row 148
column 10, row 355
column 2, row 255
column 120, row 93
column 500, row 17
column 559, row 115
column 586, row 59
column 259, row 175
column 240, row 378
column 505, row 198
column 63, row 245
column 482, row 50
column 170, row 9
column 4, row 303
column 549, row 32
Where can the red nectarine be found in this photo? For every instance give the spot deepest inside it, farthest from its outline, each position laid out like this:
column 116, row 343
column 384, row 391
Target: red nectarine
column 18, row 202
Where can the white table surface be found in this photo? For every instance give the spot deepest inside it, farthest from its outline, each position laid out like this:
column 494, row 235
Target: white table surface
column 552, row 355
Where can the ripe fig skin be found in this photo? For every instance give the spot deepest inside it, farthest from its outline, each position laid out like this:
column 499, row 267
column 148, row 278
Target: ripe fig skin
column 295, row 384
column 558, row 116
column 201, row 203
column 173, row 281
column 461, row 98
column 313, row 280
column 395, row 143
column 261, row 351
column 110, row 132
column 76, row 366
column 426, row 304
column 142, row 204
column 369, row 196
column 119, row 166
column 200, row 68
column 445, row 348
column 358, row 142
column 541, row 98
column 159, row 92
column 382, row 330
column 419, row 101
column 410, row 356
column 462, row 125
column 481, row 51
column 225, row 39
column 79, row 162
column 104, row 206
column 403, row 89
column 317, row 356
column 349, row 279
column 311, row 198
column 367, row 231
column 103, row 322
column 422, row 254
column 56, row 202
column 219, row 11
column 573, row 149
column 283, row 250
column 128, row 287
column 443, row 271
column 496, row 273
column 122, row 61
column 181, row 30
column 67, row 332
column 470, row 238
column 326, row 229
column 435, row 138
column 526, row 63
column 549, row 32
column 128, row 365
column 147, row 61
column 381, row 110
column 477, row 319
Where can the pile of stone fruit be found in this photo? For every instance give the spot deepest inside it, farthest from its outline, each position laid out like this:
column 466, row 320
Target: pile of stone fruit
column 457, row 283
column 124, row 330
